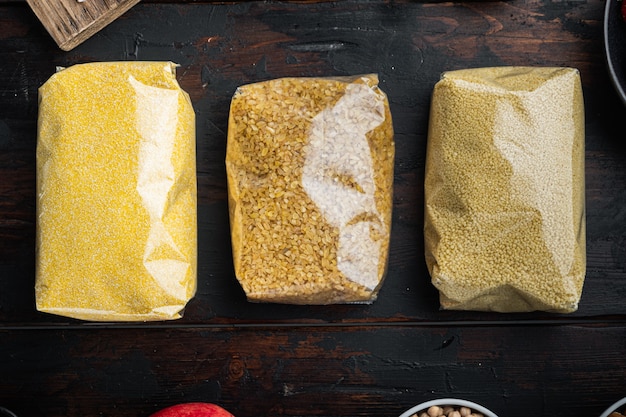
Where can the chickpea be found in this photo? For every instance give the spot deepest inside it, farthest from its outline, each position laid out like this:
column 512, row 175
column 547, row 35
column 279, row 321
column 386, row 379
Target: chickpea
column 447, row 410
column 450, row 411
column 435, row 411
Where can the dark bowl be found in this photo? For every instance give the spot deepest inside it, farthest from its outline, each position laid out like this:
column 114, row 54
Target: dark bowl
column 615, row 46
column 6, row 413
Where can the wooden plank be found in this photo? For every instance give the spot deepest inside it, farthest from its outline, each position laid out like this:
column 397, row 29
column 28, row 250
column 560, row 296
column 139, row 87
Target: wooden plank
column 220, row 47
column 71, row 22
column 516, row 371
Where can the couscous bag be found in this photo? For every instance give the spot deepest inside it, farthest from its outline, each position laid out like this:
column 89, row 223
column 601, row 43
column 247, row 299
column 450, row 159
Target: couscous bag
column 116, row 193
column 310, row 173
column 504, row 189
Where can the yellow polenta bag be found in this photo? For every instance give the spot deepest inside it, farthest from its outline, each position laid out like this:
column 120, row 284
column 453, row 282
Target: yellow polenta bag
column 116, row 193
column 505, row 189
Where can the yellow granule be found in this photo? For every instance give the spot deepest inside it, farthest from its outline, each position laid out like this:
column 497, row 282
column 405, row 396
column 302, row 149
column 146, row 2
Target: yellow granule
column 310, row 174
column 504, row 189
column 116, row 193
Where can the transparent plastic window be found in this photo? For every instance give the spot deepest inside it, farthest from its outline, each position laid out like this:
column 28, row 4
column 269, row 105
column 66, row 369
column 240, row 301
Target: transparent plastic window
column 310, row 175
column 504, row 189
column 116, row 193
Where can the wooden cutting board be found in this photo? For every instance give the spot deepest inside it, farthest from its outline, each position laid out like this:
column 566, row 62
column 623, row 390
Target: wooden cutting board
column 70, row 22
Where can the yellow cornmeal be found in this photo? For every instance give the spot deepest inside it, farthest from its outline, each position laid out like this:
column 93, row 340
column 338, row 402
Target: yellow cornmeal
column 116, row 193
column 504, row 189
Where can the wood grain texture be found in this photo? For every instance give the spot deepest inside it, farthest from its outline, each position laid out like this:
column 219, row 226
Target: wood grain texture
column 408, row 44
column 345, row 371
column 71, row 22
column 341, row 360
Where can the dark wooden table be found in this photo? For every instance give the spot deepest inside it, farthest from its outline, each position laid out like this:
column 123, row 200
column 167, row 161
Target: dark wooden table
column 340, row 360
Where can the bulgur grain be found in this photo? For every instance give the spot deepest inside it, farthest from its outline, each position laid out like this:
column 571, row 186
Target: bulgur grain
column 504, row 189
column 310, row 174
column 116, row 193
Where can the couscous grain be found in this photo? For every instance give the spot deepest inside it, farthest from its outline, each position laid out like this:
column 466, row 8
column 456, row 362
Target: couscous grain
column 504, row 204
column 310, row 174
column 116, row 193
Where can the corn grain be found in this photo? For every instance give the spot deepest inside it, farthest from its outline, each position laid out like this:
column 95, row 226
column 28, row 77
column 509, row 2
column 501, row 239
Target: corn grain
column 504, row 204
column 116, row 202
column 310, row 172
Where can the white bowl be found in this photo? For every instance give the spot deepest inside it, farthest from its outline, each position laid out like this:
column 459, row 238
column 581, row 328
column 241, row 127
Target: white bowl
column 614, row 407
column 452, row 402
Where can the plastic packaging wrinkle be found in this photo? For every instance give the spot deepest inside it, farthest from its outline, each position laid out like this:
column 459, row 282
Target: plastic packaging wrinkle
column 504, row 189
column 310, row 171
column 116, row 179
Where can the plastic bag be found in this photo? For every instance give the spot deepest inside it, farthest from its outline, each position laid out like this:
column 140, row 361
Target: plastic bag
column 116, row 193
column 504, row 189
column 310, row 172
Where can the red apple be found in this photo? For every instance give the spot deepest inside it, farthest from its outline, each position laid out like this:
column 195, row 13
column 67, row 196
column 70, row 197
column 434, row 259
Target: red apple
column 193, row 410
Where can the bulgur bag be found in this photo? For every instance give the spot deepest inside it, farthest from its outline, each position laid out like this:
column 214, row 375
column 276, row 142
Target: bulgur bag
column 504, row 189
column 116, row 193
column 310, row 173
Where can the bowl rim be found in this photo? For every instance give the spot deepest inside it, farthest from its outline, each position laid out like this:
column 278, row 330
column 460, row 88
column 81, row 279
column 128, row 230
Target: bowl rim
column 6, row 412
column 449, row 401
column 613, row 407
column 611, row 9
